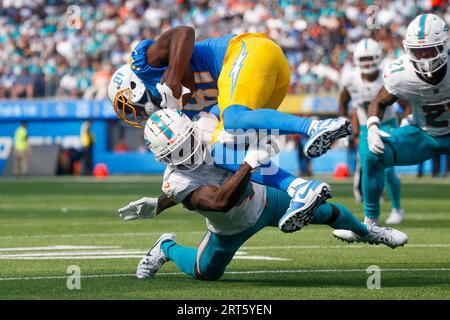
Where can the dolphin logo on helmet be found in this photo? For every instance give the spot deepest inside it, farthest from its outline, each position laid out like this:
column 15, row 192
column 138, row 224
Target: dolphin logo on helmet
column 175, row 140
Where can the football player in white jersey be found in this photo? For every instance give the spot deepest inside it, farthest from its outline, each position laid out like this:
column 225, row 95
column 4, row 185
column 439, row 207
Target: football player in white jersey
column 234, row 207
column 361, row 85
column 422, row 78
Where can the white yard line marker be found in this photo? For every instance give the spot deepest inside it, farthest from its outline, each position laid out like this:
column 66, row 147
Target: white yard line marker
column 123, row 256
column 237, row 273
column 77, row 235
column 339, row 270
column 73, row 257
column 63, row 247
column 73, row 253
column 347, row 246
column 260, row 258
column 106, row 254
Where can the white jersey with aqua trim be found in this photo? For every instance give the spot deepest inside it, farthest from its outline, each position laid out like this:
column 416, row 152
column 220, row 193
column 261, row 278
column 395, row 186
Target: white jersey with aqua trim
column 430, row 103
column 362, row 93
column 178, row 185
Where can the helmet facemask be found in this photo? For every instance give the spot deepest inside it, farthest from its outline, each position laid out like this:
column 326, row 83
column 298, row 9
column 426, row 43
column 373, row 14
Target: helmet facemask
column 368, row 64
column 135, row 113
column 427, row 59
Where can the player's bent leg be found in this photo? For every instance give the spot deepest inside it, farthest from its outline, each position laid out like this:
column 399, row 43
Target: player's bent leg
column 240, row 117
column 216, row 251
column 230, row 158
column 322, row 133
column 213, row 256
column 208, row 262
column 407, row 145
column 306, row 195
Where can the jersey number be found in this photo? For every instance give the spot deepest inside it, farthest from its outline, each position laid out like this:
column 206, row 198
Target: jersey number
column 432, row 112
column 396, row 66
column 205, row 97
column 200, row 100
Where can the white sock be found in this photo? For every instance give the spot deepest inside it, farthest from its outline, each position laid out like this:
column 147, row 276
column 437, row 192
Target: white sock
column 293, row 185
column 369, row 221
column 313, row 124
column 397, row 211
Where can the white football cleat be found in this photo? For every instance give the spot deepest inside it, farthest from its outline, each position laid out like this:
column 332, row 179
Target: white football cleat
column 345, row 235
column 154, row 259
column 396, row 216
column 387, row 236
column 324, row 133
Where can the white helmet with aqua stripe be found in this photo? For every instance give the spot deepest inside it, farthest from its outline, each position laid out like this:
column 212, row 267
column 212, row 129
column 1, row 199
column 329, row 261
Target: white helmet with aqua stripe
column 367, row 55
column 426, row 43
column 174, row 139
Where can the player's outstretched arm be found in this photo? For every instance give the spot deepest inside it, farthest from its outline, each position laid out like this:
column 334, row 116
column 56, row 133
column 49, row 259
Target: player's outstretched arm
column 145, row 208
column 344, row 99
column 212, row 198
column 378, row 105
column 173, row 49
column 355, row 126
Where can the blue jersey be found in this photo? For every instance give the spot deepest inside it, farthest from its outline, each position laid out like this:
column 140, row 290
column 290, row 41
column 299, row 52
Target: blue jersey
column 206, row 63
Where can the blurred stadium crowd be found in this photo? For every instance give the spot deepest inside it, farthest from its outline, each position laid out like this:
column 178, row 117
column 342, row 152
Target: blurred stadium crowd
column 41, row 54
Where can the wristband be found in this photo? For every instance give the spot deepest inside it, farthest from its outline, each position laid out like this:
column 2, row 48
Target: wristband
column 373, row 120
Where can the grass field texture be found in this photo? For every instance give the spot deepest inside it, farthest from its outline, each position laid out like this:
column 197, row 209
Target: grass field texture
column 48, row 224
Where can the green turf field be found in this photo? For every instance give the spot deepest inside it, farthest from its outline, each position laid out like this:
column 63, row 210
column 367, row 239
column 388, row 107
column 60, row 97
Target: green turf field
column 48, row 224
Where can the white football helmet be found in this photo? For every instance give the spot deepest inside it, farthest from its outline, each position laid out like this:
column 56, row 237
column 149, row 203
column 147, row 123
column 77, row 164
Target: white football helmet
column 426, row 43
column 367, row 56
column 131, row 101
column 175, row 140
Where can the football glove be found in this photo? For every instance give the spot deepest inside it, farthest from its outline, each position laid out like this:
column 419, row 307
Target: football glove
column 168, row 100
column 261, row 152
column 141, row 209
column 374, row 136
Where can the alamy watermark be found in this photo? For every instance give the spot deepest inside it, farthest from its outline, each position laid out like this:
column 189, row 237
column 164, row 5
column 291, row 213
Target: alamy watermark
column 73, row 17
column 374, row 280
column 372, row 19
column 74, row 277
